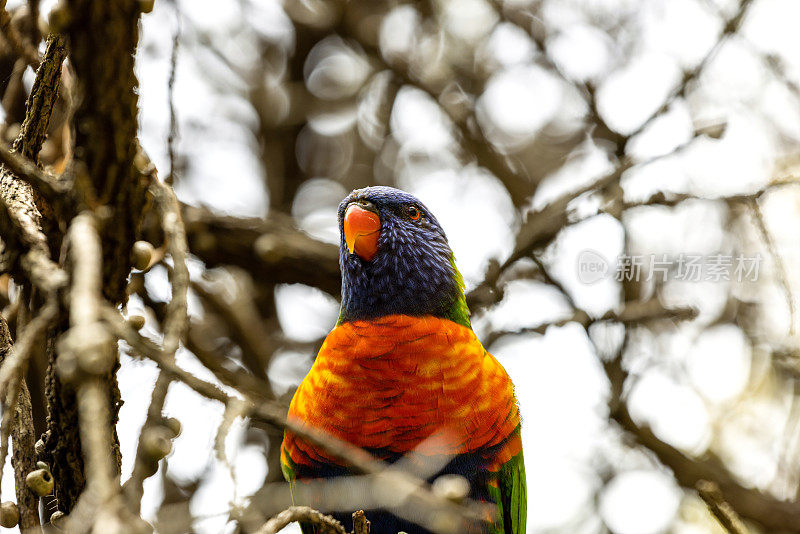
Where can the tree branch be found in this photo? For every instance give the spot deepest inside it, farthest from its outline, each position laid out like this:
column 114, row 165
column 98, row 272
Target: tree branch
column 175, row 325
column 775, row 515
column 23, row 437
column 273, row 250
column 632, row 313
column 305, row 514
column 726, row 516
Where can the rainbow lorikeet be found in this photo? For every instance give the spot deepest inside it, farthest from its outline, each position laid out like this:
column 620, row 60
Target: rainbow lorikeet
column 402, row 374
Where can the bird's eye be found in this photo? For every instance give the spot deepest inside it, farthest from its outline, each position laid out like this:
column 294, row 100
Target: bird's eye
column 413, row 213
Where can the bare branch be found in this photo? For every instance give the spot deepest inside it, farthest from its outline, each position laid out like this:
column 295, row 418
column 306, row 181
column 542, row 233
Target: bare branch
column 23, row 460
column 361, row 524
column 173, row 117
column 176, row 321
column 87, row 355
column 470, row 136
column 538, row 229
column 42, row 99
column 93, row 351
column 175, row 326
column 730, row 27
column 246, row 329
column 273, row 250
column 12, row 390
column 305, row 514
column 726, row 516
column 24, row 439
column 673, row 199
column 773, row 514
column 25, row 169
column 632, row 314
column 761, row 224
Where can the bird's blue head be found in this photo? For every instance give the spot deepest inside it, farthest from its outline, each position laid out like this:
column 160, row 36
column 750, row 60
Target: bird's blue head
column 395, row 259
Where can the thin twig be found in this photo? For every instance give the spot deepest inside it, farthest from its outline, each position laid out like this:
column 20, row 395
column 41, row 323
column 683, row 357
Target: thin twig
column 730, row 27
column 541, row 226
column 473, row 142
column 361, row 524
column 176, row 322
column 173, row 117
column 727, row 517
column 632, row 313
column 538, row 229
column 239, row 379
column 661, row 198
column 305, row 514
column 235, row 409
column 175, row 326
column 755, row 206
column 246, row 329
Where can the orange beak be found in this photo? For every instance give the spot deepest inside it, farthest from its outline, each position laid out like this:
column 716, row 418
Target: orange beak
column 361, row 230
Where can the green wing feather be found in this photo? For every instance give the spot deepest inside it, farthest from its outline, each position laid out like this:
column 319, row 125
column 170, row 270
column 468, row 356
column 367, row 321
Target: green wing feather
column 288, row 471
column 511, row 497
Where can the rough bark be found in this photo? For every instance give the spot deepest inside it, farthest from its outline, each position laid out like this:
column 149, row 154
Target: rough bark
column 23, row 438
column 102, row 38
column 40, row 103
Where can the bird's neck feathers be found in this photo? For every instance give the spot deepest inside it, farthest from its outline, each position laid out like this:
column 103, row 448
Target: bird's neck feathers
column 459, row 312
column 397, row 284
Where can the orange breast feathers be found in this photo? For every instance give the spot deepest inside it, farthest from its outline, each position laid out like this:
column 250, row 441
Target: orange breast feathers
column 403, row 383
